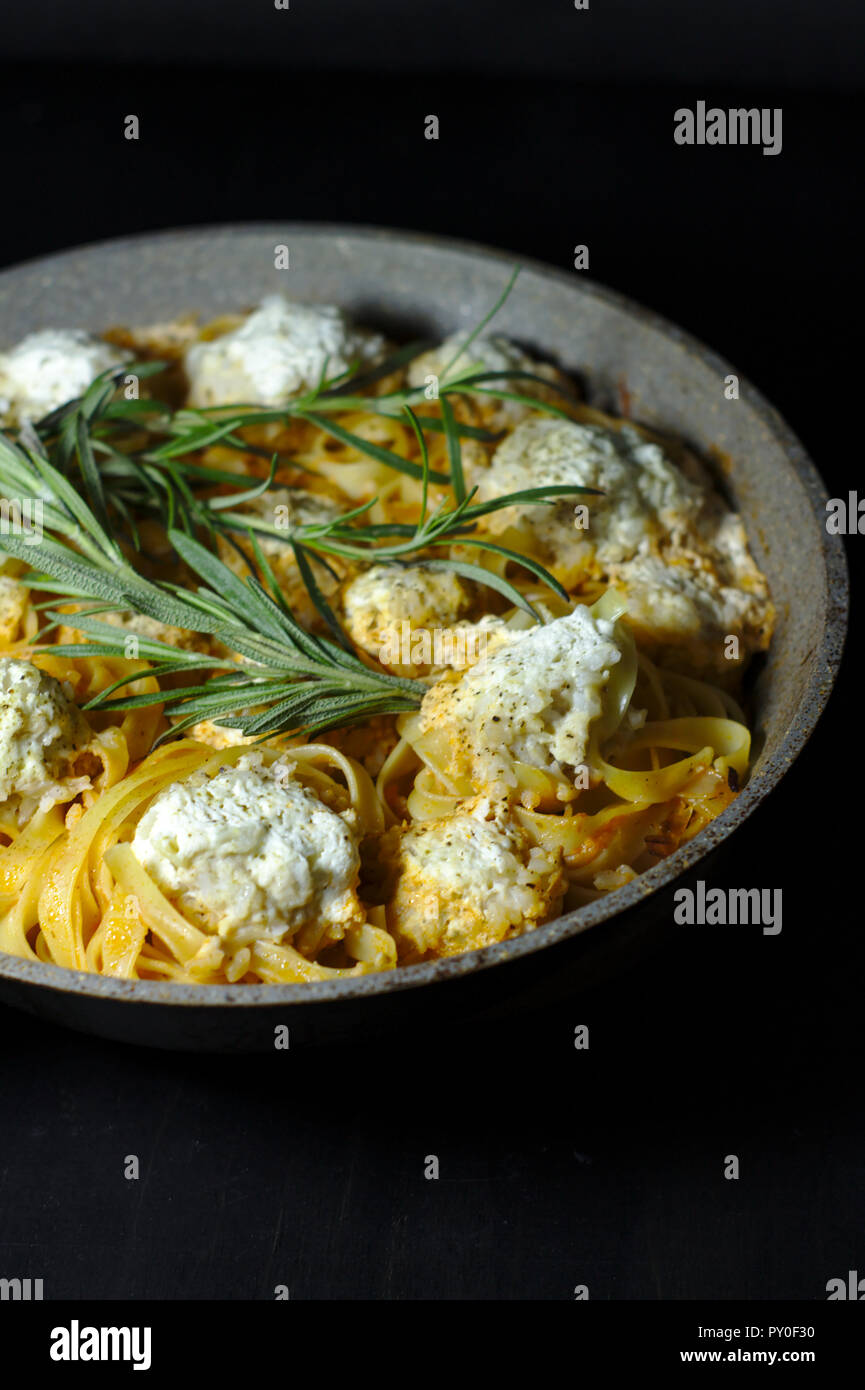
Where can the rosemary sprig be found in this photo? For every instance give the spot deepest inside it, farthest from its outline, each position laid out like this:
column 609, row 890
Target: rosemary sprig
column 282, row 678
column 161, row 482
column 138, row 457
column 396, row 542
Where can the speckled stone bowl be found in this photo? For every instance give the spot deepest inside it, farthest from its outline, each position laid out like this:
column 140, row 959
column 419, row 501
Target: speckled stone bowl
column 412, row 284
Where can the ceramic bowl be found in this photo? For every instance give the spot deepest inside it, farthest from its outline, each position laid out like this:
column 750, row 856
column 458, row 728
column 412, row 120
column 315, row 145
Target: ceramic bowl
column 415, row 285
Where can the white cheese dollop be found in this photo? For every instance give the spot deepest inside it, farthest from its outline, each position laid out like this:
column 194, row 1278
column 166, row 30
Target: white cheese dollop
column 377, row 603
column 724, row 541
column 671, row 606
column 487, row 353
column 467, row 880
column 49, row 368
column 41, row 730
column 252, row 853
column 279, row 351
column 533, row 699
column 645, row 496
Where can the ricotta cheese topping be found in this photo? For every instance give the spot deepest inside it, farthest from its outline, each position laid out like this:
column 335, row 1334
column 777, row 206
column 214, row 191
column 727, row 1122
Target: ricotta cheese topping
column 644, row 496
column 491, row 353
column 49, row 368
column 533, row 699
column 250, row 852
column 278, row 352
column 673, row 606
column 467, row 881
column 41, row 730
column 724, row 542
column 378, row 602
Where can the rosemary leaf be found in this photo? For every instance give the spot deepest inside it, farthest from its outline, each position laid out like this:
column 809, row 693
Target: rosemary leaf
column 373, row 451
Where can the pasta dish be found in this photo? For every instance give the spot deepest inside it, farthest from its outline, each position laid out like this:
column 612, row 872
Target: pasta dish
column 322, row 655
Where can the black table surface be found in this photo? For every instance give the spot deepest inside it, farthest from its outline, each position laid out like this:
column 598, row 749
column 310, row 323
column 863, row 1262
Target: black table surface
column 558, row 1167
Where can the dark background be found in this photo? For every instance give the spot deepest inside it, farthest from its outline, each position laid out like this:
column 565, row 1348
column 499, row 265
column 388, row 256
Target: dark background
column 558, row 1167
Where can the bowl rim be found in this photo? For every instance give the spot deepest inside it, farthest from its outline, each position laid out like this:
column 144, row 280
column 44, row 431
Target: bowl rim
column 59, row 979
